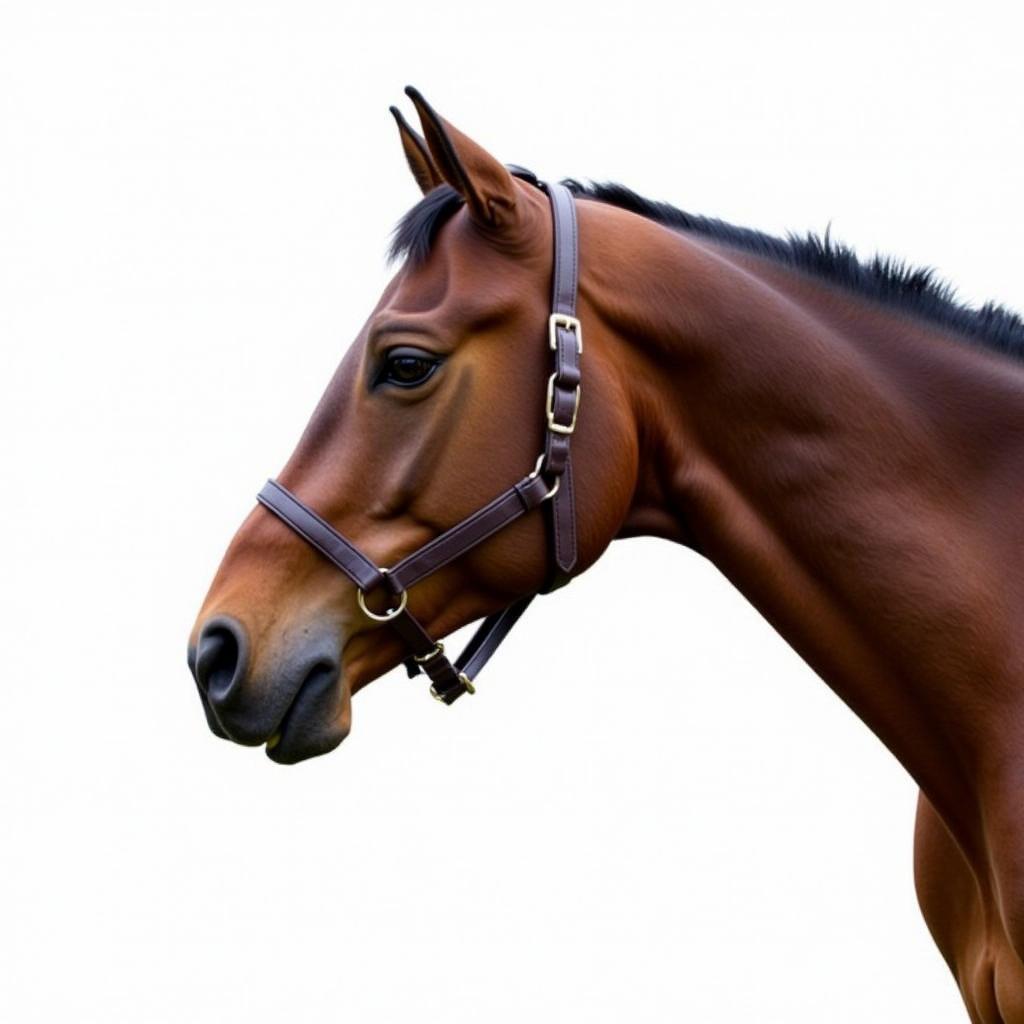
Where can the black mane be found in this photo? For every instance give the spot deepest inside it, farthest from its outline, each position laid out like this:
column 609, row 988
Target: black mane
column 916, row 290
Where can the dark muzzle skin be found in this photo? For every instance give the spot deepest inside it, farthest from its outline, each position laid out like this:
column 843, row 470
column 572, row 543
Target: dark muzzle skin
column 295, row 704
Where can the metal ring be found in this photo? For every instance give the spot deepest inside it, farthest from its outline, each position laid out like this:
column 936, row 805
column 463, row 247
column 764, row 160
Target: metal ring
column 390, row 613
column 536, row 473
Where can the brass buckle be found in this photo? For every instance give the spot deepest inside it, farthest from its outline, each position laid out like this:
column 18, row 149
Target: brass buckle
column 422, row 659
column 390, row 613
column 560, row 428
column 570, row 323
column 466, row 682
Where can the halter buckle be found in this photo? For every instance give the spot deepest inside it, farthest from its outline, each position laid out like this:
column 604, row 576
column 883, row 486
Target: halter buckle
column 570, row 323
column 553, row 424
column 466, row 682
column 422, row 659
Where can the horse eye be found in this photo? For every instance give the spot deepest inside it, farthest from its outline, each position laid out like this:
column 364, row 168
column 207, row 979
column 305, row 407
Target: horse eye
column 408, row 368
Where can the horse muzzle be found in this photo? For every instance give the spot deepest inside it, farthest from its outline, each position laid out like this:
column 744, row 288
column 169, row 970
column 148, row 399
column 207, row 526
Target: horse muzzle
column 293, row 700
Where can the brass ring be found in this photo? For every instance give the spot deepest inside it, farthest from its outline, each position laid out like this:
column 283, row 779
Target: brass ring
column 390, row 613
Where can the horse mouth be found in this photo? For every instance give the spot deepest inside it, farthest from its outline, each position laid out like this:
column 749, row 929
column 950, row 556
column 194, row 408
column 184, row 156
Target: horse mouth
column 317, row 720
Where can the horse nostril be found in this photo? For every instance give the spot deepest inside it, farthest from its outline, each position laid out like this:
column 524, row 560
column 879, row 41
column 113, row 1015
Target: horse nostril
column 220, row 657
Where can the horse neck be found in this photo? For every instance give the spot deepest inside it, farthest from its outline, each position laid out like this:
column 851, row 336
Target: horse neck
column 852, row 472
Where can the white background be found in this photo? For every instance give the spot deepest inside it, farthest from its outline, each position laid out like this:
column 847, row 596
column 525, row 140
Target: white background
column 673, row 819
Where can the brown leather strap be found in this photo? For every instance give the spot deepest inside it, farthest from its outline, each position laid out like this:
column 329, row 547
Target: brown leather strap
column 321, row 535
column 566, row 260
column 447, row 683
column 486, row 640
column 564, row 385
column 520, row 498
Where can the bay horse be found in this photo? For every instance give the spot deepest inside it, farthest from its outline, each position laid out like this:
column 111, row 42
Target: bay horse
column 843, row 440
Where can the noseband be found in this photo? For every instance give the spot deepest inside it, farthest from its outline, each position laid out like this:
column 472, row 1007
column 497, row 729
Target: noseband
column 550, row 483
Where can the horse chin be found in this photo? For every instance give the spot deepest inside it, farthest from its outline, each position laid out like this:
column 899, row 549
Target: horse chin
column 318, row 719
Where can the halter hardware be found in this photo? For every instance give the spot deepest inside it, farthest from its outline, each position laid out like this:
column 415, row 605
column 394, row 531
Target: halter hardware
column 570, row 323
column 553, row 424
column 422, row 659
column 543, row 486
column 536, row 473
column 466, row 682
column 403, row 600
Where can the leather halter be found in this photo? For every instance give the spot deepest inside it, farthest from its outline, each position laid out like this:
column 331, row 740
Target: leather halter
column 550, row 483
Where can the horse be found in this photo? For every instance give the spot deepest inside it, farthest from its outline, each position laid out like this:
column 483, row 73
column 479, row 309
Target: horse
column 843, row 440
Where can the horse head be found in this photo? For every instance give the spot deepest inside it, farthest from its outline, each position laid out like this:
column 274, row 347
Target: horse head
column 437, row 406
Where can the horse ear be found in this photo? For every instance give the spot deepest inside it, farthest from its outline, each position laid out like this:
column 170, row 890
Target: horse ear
column 483, row 181
column 417, row 155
